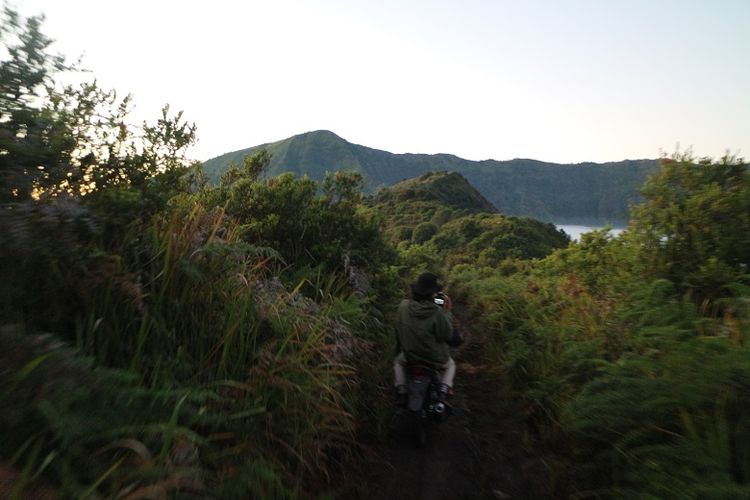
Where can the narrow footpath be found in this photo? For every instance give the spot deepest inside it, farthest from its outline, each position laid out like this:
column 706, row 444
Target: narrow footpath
column 477, row 453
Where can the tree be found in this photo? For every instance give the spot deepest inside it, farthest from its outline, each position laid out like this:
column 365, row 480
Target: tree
column 74, row 174
column 74, row 140
column 252, row 168
column 28, row 137
column 423, row 232
column 287, row 213
column 343, row 187
column 694, row 226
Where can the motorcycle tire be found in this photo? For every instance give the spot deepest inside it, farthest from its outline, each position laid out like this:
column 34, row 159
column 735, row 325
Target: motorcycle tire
column 418, row 430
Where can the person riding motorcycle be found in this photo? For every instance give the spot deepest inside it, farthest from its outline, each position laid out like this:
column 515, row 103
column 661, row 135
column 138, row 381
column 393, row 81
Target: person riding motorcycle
column 423, row 331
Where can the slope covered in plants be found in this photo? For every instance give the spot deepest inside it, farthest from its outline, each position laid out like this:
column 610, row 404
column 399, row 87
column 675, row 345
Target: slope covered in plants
column 438, row 220
column 160, row 337
column 631, row 353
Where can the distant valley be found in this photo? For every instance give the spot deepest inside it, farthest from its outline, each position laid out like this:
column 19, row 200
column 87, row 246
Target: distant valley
column 584, row 193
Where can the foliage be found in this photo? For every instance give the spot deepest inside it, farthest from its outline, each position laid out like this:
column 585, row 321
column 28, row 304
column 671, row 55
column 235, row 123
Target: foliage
column 45, row 263
column 450, row 189
column 440, row 220
column 423, row 232
column 91, row 430
column 629, row 353
column 490, row 239
column 252, row 168
column 429, row 201
column 200, row 317
column 670, row 421
column 76, row 140
column 178, row 357
column 288, row 214
column 603, row 263
column 27, row 132
column 695, row 224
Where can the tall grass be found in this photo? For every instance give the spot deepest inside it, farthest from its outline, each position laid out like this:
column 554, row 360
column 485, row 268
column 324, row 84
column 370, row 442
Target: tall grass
column 630, row 388
column 191, row 369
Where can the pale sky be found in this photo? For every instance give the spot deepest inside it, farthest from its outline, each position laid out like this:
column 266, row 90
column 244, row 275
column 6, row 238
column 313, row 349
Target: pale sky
column 561, row 81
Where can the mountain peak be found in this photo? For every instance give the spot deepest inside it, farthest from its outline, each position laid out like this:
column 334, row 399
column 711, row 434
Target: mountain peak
column 317, row 137
column 449, row 189
column 321, row 133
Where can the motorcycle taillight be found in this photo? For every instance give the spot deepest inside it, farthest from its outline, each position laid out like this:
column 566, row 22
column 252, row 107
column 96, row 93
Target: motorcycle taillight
column 417, row 371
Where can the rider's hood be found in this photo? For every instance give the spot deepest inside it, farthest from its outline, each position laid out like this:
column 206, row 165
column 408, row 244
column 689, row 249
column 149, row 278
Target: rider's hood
column 423, row 309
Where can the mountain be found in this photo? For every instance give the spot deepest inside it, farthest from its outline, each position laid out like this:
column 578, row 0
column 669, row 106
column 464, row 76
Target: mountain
column 585, row 193
column 450, row 190
column 423, row 204
column 439, row 218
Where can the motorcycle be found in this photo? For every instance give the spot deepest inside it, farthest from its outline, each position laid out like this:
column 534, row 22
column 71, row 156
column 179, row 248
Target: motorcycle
column 423, row 402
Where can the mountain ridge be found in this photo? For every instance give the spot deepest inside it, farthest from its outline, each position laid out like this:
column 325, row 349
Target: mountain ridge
column 587, row 192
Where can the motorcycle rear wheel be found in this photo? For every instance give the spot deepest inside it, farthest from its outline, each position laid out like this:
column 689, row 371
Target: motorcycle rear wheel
column 418, row 430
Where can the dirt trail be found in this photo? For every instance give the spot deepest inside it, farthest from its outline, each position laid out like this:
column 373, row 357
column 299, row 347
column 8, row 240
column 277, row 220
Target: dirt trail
column 477, row 453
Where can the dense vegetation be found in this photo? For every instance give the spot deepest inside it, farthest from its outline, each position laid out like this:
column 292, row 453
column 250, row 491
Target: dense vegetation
column 163, row 337
column 631, row 353
column 586, row 193
column 439, row 220
column 159, row 336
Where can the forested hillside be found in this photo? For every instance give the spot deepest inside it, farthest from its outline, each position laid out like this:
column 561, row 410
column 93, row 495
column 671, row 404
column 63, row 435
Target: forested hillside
column 439, row 220
column 588, row 193
column 163, row 337
column 631, row 353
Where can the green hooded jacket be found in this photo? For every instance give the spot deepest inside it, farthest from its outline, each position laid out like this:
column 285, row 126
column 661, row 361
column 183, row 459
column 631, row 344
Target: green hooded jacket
column 423, row 330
